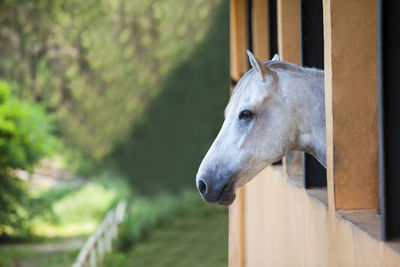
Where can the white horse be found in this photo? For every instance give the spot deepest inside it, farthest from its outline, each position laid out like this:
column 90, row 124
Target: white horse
column 276, row 108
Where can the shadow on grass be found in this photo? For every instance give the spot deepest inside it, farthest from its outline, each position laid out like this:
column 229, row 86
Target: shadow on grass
column 173, row 135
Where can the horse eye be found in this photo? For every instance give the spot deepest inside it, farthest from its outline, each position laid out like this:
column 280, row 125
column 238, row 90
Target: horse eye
column 245, row 114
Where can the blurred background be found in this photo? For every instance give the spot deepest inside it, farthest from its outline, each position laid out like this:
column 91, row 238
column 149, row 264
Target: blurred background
column 108, row 100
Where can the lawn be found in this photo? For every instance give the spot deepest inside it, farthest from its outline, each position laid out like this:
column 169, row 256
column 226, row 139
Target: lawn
column 167, row 230
column 195, row 236
column 39, row 254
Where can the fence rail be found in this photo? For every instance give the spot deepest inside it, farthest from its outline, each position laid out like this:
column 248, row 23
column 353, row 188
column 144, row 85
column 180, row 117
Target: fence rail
column 101, row 240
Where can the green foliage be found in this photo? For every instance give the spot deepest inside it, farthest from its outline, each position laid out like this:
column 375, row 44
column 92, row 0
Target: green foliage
column 174, row 133
column 93, row 201
column 97, row 64
column 25, row 132
column 143, row 82
column 135, row 83
column 25, row 137
column 77, row 210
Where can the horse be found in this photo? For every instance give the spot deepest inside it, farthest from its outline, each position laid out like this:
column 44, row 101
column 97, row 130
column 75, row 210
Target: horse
column 275, row 108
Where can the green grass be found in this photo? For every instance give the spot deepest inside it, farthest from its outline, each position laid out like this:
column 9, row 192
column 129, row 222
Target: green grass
column 10, row 254
column 30, row 255
column 78, row 211
column 197, row 235
column 65, row 258
column 166, row 225
column 180, row 230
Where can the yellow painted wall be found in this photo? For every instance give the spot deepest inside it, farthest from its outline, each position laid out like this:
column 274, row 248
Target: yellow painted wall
column 285, row 225
column 274, row 220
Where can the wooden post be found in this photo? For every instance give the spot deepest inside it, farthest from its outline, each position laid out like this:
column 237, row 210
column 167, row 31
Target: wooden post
column 100, row 248
column 239, row 65
column 107, row 233
column 238, row 38
column 253, row 205
column 289, row 30
column 351, row 103
column 260, row 29
column 236, row 231
column 92, row 257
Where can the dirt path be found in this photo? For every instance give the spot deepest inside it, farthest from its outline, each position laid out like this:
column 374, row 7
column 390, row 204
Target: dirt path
column 68, row 243
column 49, row 174
column 43, row 254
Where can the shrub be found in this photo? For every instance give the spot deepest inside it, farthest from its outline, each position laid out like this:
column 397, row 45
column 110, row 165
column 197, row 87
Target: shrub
column 25, row 137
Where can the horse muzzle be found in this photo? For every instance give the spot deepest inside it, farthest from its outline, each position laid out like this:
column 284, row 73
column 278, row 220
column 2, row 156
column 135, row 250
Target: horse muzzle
column 219, row 192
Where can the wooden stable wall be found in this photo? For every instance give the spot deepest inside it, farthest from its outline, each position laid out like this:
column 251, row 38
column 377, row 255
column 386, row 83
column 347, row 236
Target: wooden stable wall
column 275, row 221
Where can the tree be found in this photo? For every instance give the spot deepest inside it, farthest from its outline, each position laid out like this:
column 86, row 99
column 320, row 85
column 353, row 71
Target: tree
column 97, row 64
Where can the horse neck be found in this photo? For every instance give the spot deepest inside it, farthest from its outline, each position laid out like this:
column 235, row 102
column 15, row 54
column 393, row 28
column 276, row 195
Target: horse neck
column 305, row 95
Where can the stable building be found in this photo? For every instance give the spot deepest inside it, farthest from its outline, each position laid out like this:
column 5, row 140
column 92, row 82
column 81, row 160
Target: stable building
column 298, row 213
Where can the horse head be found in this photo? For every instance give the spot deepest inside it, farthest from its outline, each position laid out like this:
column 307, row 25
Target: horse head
column 259, row 129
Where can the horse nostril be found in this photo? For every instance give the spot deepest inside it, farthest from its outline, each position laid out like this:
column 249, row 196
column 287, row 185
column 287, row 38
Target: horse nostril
column 202, row 187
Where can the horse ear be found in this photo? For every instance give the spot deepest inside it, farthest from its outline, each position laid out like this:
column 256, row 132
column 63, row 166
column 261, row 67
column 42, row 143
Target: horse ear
column 275, row 58
column 258, row 66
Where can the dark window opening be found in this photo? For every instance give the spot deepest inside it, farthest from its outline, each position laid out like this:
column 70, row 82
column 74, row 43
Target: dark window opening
column 249, row 25
column 388, row 117
column 273, row 28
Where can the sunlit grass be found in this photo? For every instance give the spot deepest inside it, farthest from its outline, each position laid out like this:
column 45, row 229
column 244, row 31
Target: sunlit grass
column 78, row 211
column 194, row 234
column 48, row 230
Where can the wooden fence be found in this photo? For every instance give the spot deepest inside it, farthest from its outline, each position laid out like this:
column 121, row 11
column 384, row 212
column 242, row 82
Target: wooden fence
column 101, row 240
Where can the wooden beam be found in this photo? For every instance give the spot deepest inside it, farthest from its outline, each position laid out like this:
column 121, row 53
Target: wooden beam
column 238, row 38
column 289, row 30
column 260, row 29
column 237, row 231
column 351, row 103
column 253, row 206
column 239, row 43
